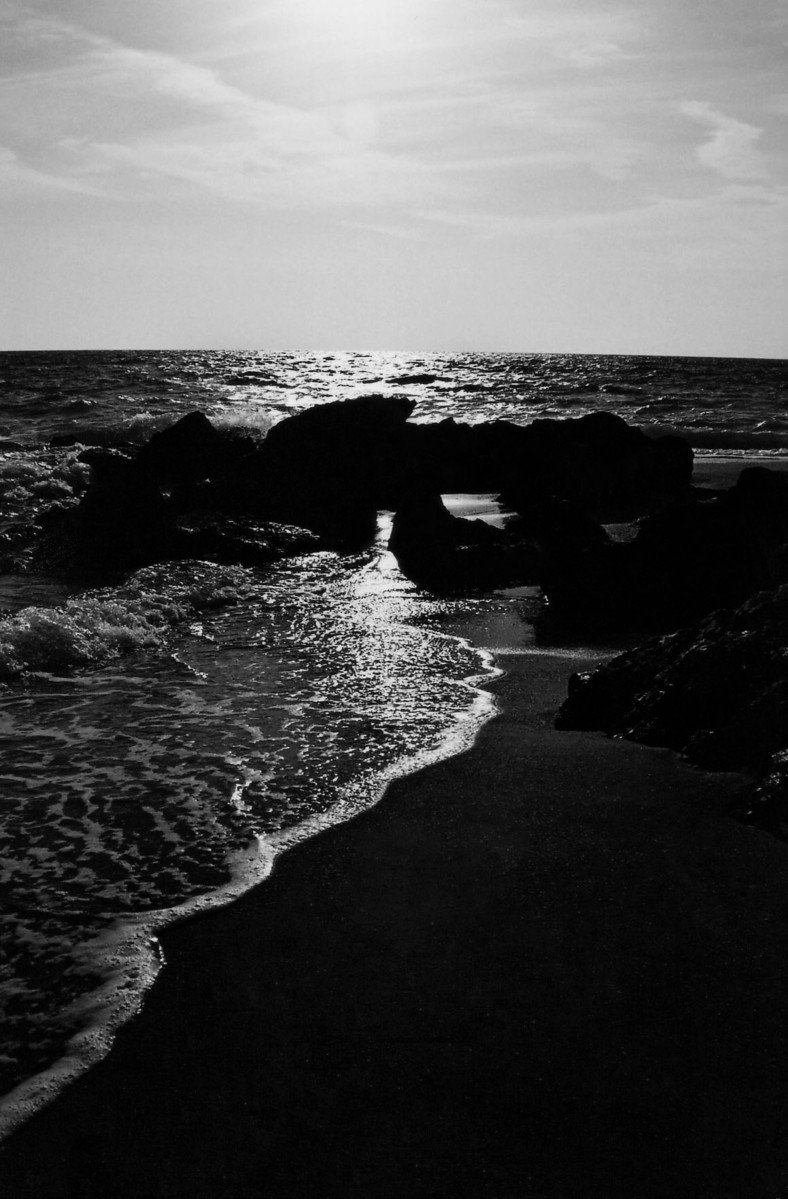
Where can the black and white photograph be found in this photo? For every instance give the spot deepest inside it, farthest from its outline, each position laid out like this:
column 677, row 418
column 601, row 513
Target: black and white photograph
column 393, row 599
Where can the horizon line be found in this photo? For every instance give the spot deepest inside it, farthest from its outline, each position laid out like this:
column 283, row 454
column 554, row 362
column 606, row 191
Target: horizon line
column 335, row 350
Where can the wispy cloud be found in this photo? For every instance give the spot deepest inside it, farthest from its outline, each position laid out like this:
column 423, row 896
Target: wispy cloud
column 236, row 167
column 584, row 39
column 471, row 136
column 463, row 138
column 736, row 226
column 732, row 150
column 117, row 74
column 19, row 179
column 212, row 135
column 199, row 130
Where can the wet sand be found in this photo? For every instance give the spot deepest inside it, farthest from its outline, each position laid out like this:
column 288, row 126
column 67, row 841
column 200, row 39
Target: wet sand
column 546, row 967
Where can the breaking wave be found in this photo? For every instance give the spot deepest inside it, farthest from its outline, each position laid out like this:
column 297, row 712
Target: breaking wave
column 110, row 623
column 30, row 481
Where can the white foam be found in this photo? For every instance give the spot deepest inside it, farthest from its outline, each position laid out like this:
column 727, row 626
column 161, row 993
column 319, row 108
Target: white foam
column 130, row 957
column 99, row 626
column 128, row 953
column 249, row 416
column 33, row 479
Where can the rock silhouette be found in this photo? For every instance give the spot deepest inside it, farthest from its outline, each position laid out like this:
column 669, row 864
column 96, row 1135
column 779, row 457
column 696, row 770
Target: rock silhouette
column 716, row 690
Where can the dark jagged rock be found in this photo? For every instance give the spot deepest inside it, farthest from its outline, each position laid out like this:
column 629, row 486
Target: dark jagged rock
column 698, row 553
column 190, row 492
column 447, row 553
column 254, row 379
column 415, row 378
column 243, row 542
column 332, row 467
column 759, row 503
column 109, row 467
column 449, row 456
column 767, row 807
column 185, row 452
column 328, row 469
column 96, row 539
column 117, row 526
column 197, row 464
column 598, row 461
column 559, row 530
column 132, row 514
column 717, row 691
column 711, row 553
column 439, row 551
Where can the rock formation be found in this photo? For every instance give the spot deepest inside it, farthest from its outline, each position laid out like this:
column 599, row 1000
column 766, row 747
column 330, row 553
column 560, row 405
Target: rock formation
column 443, row 553
column 331, row 468
column 717, row 691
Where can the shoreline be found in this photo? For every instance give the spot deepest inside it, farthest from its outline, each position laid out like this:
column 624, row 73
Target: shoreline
column 133, row 944
column 541, row 963
column 508, row 644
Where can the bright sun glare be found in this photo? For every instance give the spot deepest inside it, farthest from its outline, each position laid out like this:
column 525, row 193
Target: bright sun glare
column 359, row 24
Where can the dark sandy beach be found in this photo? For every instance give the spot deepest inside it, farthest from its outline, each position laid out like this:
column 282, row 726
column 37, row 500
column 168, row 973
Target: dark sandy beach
column 546, row 967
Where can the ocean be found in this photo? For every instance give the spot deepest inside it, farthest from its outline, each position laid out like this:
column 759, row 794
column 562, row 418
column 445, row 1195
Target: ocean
column 165, row 738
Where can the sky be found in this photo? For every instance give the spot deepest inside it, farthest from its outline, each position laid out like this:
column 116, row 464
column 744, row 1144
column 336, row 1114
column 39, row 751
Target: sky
column 560, row 176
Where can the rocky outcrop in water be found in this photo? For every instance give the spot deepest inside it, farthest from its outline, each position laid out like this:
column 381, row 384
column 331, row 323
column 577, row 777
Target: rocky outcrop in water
column 559, row 477
column 190, row 492
column 444, row 553
column 364, row 453
column 598, row 462
column 717, row 691
column 93, row 543
column 331, row 468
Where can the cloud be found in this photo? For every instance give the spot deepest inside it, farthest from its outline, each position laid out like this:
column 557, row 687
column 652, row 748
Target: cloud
column 592, row 54
column 580, row 39
column 234, row 165
column 735, row 228
column 19, row 178
column 280, row 128
column 732, row 150
column 95, row 68
column 193, row 130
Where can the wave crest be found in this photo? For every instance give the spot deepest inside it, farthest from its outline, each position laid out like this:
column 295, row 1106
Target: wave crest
column 110, row 623
column 30, row 481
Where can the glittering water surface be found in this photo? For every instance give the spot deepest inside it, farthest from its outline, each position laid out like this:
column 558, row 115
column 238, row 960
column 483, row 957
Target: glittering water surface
column 132, row 787
column 717, row 402
column 163, row 736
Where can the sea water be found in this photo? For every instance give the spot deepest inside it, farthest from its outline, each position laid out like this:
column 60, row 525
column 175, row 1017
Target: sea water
column 164, row 739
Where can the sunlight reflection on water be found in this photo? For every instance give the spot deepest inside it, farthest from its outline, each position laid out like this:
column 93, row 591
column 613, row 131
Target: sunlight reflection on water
column 132, row 788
